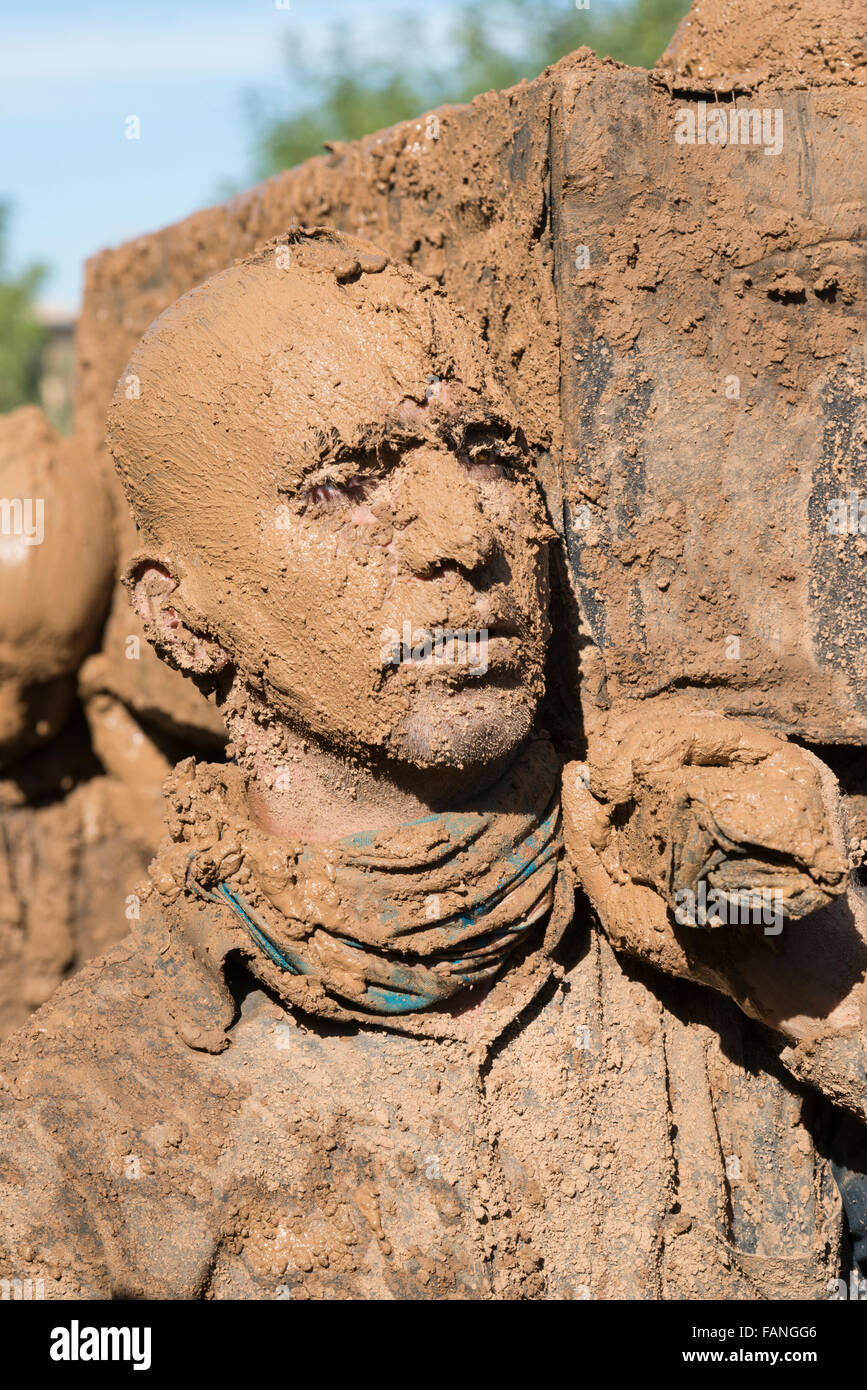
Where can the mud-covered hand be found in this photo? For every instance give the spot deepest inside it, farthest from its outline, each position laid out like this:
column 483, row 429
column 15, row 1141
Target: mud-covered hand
column 695, row 836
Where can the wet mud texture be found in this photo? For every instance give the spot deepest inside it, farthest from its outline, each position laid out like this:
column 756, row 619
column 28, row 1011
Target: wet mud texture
column 624, row 1137
column 73, row 854
column 740, row 44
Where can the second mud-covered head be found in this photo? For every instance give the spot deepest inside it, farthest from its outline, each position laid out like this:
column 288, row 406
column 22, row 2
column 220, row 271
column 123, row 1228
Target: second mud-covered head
column 336, row 504
column 56, row 564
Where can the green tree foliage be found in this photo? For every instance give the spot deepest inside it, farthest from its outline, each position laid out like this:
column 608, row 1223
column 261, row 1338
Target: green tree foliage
column 22, row 336
column 490, row 45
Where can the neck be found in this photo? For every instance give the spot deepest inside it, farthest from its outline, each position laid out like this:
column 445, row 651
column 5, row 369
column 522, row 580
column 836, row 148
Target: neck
column 300, row 789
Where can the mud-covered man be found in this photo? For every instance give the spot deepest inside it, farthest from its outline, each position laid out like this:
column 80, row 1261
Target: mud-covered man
column 360, row 1044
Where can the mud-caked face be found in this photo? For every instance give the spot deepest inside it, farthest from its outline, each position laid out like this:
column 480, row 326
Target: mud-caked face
column 406, row 602
column 351, row 513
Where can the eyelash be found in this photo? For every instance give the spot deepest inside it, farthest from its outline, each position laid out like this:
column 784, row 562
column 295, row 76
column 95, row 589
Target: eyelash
column 331, row 490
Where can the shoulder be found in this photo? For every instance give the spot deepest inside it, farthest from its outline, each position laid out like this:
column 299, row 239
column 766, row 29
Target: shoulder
column 105, row 1019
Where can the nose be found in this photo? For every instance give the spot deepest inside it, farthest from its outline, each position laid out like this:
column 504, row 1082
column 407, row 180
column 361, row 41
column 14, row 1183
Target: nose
column 440, row 516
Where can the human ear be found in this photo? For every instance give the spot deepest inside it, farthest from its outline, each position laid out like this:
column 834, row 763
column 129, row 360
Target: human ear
column 155, row 595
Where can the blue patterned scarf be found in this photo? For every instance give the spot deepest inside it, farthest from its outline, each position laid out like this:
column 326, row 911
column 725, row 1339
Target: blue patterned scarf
column 396, row 922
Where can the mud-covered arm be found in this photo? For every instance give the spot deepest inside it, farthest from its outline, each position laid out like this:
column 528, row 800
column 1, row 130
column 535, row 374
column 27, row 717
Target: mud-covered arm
column 715, row 851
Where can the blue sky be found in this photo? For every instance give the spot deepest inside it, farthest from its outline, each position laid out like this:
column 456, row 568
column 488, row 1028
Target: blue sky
column 71, row 74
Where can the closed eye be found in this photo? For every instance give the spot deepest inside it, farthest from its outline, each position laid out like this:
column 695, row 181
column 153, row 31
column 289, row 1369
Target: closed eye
column 335, row 491
column 485, row 463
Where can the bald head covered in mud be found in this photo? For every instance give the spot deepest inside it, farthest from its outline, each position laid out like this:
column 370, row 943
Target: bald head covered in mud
column 337, row 511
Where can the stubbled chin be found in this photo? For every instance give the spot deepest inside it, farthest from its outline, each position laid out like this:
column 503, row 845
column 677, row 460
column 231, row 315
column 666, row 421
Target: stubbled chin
column 465, row 734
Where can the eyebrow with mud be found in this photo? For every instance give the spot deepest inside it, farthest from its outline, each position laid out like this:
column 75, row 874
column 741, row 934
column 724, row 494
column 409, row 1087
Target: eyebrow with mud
column 370, row 445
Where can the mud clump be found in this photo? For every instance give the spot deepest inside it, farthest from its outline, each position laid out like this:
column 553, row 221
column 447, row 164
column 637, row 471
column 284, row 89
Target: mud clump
column 742, row 44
